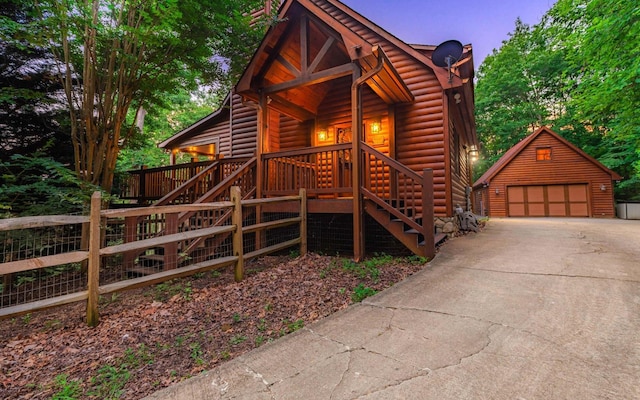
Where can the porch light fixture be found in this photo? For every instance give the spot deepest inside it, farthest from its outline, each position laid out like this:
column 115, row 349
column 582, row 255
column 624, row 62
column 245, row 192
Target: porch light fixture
column 497, row 191
column 322, row 135
column 376, row 127
column 473, row 153
column 603, row 187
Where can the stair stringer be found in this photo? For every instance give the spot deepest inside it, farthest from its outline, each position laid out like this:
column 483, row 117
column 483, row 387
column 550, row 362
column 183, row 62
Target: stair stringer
column 411, row 238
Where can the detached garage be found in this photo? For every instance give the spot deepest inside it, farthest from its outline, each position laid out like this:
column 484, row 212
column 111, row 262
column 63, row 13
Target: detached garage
column 545, row 176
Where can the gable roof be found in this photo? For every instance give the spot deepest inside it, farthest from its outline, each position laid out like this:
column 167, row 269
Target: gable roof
column 219, row 115
column 513, row 152
column 411, row 50
column 352, row 47
column 329, row 15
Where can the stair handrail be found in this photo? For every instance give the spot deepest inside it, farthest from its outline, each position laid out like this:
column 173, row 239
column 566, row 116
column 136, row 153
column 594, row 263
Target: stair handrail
column 194, row 180
column 135, row 182
column 395, row 166
column 224, row 186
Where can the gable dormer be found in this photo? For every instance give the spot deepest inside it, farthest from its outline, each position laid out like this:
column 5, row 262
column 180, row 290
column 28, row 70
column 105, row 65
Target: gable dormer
column 304, row 53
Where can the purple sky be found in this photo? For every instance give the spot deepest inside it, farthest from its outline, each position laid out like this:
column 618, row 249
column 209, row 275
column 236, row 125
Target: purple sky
column 483, row 23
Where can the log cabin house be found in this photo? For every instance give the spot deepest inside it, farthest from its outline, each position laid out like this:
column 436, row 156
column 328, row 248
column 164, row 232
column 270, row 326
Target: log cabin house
column 544, row 175
column 378, row 135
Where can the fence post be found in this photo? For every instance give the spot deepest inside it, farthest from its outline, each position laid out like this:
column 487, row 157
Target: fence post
column 170, row 259
column 93, row 272
column 303, row 221
column 236, row 219
column 130, row 235
column 427, row 213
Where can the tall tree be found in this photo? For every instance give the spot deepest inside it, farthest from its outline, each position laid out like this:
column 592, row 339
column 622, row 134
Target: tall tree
column 178, row 111
column 116, row 56
column 601, row 38
column 33, row 116
column 513, row 95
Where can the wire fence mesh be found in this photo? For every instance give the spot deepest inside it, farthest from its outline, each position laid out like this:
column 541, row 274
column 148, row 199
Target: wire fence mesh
column 132, row 246
column 41, row 283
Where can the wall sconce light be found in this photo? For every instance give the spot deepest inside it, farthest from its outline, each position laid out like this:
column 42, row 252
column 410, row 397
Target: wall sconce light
column 458, row 98
column 473, row 153
column 497, row 191
column 603, row 187
column 376, row 127
column 322, row 135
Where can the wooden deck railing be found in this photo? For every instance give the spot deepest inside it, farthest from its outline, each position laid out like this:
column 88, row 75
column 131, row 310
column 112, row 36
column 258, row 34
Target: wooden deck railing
column 150, row 184
column 321, row 171
column 166, row 183
column 198, row 185
column 99, row 250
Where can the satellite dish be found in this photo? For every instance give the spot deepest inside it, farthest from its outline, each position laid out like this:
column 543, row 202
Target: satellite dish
column 446, row 54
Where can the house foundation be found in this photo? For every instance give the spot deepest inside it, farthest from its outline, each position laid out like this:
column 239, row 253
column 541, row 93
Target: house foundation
column 450, row 226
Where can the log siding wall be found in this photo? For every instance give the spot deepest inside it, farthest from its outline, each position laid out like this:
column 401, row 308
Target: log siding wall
column 460, row 170
column 244, row 125
column 218, row 132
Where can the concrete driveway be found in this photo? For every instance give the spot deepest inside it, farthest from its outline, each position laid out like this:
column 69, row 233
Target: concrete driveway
column 526, row 309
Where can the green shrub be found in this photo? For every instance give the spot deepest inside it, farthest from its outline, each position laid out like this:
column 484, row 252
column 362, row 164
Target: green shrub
column 361, row 292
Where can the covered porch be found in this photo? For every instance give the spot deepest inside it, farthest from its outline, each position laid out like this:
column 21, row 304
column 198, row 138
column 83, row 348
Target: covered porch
column 324, row 98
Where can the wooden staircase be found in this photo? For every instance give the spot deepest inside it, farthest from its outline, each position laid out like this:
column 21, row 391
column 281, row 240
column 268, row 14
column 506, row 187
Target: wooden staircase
column 412, row 238
column 399, row 199
column 212, row 184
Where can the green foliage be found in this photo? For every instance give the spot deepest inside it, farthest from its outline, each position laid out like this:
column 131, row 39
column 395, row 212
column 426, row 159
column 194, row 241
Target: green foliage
column 606, row 92
column 517, row 88
column 361, row 292
column 166, row 290
column 293, row 326
column 237, row 339
column 32, row 109
column 417, row 260
column 120, row 57
column 262, row 325
column 294, row 253
column 110, row 382
column 367, row 269
column 196, row 353
column 38, row 185
column 66, row 389
column 111, row 379
column 174, row 112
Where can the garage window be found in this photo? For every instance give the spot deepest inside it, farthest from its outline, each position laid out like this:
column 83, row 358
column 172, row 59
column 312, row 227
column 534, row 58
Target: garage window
column 543, row 153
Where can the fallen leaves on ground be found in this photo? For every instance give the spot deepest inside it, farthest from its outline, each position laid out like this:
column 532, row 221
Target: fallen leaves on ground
column 154, row 337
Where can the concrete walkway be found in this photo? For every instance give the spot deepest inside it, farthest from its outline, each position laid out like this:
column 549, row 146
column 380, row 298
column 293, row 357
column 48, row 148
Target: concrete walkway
column 527, row 309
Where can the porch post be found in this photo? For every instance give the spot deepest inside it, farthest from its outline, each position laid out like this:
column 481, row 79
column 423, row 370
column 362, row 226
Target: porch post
column 356, row 137
column 262, row 136
column 262, row 131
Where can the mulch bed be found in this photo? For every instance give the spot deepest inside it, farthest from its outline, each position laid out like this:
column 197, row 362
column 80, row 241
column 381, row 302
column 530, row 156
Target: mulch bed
column 154, row 337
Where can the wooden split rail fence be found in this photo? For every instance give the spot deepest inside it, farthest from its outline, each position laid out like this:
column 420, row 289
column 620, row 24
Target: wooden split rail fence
column 98, row 249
